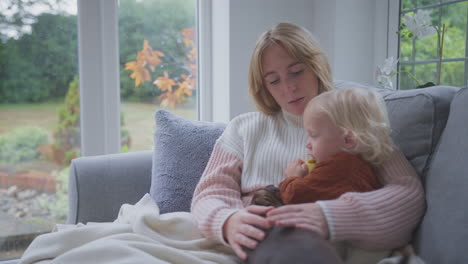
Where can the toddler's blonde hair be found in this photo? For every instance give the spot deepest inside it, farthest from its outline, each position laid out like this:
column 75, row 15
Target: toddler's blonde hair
column 361, row 112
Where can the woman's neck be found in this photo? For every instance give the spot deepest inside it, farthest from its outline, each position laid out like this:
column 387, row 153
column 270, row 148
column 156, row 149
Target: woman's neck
column 291, row 119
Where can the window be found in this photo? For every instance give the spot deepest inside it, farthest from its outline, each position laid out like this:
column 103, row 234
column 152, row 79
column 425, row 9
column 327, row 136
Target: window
column 39, row 117
column 419, row 58
column 39, row 83
column 158, row 66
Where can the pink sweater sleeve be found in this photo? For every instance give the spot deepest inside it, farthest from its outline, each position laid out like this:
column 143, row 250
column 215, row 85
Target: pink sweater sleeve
column 381, row 219
column 218, row 194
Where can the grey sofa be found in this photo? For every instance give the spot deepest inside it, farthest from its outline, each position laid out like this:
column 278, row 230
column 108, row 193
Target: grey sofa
column 430, row 127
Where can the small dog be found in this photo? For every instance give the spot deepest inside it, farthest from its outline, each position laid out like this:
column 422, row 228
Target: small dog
column 268, row 196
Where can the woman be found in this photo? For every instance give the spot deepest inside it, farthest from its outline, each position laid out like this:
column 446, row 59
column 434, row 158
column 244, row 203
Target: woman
column 287, row 70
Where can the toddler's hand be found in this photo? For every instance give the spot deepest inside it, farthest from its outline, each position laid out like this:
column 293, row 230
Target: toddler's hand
column 296, row 168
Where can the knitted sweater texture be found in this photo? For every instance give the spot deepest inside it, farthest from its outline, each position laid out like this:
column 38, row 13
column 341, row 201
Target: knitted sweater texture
column 253, row 152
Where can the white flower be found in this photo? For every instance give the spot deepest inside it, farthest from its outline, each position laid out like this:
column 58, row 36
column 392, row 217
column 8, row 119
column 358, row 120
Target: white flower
column 386, row 72
column 420, row 24
column 385, row 82
column 388, row 67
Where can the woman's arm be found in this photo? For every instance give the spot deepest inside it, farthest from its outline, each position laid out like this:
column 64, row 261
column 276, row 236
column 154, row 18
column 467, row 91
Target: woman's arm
column 218, row 194
column 218, row 208
column 385, row 218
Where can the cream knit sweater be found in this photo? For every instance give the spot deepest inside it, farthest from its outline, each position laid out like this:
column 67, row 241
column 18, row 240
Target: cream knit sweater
column 253, row 152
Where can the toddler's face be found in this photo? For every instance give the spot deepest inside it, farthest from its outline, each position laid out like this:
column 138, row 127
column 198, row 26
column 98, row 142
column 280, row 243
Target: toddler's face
column 325, row 139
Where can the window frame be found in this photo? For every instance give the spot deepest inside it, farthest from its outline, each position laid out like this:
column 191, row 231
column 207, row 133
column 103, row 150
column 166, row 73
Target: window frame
column 98, row 56
column 99, row 73
column 99, row 81
column 413, row 63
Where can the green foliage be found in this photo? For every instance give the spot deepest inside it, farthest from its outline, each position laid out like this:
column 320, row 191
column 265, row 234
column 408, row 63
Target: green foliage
column 159, row 22
column 38, row 66
column 67, row 133
column 452, row 73
column 22, row 144
column 67, row 138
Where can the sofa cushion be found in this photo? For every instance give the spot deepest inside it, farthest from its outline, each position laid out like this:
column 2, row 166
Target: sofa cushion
column 443, row 233
column 417, row 118
column 182, row 148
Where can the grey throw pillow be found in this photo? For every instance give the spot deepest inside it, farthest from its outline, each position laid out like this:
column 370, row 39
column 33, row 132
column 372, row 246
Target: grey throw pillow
column 417, row 118
column 182, row 148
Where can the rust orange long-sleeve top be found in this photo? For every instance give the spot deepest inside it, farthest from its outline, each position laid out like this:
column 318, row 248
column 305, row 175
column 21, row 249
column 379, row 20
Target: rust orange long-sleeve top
column 342, row 173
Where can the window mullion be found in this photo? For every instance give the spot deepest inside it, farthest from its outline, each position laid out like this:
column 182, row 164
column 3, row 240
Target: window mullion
column 466, row 54
column 99, row 77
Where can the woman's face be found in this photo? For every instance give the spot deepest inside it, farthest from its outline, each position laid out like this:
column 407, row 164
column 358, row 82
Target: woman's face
column 291, row 82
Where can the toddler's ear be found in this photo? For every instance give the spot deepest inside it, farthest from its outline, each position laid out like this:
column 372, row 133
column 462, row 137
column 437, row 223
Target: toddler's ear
column 350, row 140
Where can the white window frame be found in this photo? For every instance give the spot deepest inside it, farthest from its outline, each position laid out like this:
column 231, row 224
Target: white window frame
column 98, row 56
column 393, row 49
column 385, row 38
column 204, row 59
column 99, row 73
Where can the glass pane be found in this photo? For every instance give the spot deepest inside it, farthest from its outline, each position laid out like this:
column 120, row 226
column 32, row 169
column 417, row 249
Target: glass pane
column 425, row 73
column 421, row 3
column 422, row 74
column 406, row 82
column 454, row 16
column 158, row 67
column 453, row 73
column 407, row 4
column 426, row 48
column 39, row 117
column 406, row 49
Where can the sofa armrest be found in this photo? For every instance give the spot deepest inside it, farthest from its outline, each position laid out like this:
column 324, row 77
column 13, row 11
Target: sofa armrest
column 99, row 185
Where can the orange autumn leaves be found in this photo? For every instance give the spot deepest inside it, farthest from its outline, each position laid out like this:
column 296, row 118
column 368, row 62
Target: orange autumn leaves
column 174, row 89
column 146, row 57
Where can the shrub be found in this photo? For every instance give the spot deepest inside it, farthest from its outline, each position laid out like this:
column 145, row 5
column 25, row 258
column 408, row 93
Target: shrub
column 59, row 209
column 21, row 144
column 66, row 135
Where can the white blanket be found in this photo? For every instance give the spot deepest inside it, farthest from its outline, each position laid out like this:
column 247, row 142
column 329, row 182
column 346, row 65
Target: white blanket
column 139, row 235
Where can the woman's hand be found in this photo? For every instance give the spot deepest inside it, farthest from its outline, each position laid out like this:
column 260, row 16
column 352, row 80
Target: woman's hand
column 296, row 168
column 307, row 216
column 241, row 228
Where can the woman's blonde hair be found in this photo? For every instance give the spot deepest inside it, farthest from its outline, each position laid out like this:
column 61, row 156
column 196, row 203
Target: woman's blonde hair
column 361, row 112
column 301, row 45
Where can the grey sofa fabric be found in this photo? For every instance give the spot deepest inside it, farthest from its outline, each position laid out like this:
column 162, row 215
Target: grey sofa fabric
column 442, row 236
column 99, row 185
column 417, row 118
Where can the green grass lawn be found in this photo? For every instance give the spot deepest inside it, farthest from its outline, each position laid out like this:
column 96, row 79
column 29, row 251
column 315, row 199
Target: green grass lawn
column 139, row 119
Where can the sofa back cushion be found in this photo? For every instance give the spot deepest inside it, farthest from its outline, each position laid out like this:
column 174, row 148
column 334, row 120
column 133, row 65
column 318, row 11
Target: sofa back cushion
column 417, row 118
column 443, row 233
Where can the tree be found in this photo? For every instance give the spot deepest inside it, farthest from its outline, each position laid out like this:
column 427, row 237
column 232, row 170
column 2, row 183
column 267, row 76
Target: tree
column 175, row 89
column 17, row 15
column 38, row 66
column 160, row 23
column 66, row 135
